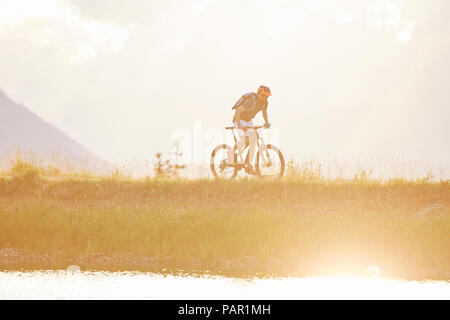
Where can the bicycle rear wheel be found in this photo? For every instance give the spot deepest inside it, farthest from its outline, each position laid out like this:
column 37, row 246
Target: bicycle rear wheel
column 222, row 167
column 270, row 162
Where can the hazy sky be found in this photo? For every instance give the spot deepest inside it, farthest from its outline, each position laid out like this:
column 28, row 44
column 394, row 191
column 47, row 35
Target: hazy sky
column 349, row 78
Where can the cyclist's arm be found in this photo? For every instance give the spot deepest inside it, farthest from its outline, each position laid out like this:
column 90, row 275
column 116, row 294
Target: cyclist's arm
column 265, row 116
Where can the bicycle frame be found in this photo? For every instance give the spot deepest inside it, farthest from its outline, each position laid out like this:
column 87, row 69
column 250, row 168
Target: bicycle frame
column 260, row 144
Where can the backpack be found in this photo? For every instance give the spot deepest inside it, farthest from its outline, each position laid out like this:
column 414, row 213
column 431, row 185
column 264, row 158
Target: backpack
column 244, row 98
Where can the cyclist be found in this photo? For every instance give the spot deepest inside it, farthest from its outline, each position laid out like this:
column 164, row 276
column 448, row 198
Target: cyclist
column 246, row 109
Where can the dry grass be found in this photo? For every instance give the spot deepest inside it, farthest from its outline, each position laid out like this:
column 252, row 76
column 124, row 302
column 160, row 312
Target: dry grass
column 302, row 225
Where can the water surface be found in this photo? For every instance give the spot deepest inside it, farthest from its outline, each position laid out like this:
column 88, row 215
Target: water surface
column 104, row 285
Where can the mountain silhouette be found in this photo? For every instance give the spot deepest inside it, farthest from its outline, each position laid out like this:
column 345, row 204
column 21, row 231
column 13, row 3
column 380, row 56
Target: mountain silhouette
column 21, row 129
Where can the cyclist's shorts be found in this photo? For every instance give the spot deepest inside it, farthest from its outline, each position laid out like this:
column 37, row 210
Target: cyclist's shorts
column 243, row 124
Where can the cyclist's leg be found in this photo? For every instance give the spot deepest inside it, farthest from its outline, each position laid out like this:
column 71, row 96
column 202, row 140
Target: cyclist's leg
column 252, row 145
column 241, row 142
column 251, row 134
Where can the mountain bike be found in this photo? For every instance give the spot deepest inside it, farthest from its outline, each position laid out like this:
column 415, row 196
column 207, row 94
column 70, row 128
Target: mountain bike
column 226, row 162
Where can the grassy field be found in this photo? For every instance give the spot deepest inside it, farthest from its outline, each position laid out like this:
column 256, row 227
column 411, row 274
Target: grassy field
column 292, row 227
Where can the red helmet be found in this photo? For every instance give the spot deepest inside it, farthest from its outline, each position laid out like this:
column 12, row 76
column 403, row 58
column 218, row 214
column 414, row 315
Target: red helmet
column 264, row 91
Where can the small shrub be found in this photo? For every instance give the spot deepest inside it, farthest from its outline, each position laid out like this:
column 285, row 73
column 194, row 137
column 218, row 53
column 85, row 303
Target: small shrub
column 363, row 176
column 310, row 170
column 26, row 169
column 428, row 178
column 167, row 168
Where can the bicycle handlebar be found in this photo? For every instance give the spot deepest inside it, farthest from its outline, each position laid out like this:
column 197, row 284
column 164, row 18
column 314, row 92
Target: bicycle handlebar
column 257, row 127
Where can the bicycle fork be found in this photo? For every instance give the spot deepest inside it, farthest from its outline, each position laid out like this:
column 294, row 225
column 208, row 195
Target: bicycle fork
column 263, row 152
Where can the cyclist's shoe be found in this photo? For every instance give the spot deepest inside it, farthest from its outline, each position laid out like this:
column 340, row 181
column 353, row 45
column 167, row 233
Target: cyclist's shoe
column 250, row 170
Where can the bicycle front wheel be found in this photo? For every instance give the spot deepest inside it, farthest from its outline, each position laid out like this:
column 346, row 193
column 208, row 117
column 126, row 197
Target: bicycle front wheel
column 222, row 163
column 270, row 162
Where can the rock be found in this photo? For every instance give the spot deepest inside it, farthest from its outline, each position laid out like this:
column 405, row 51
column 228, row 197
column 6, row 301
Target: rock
column 73, row 268
column 373, row 271
column 8, row 252
column 432, row 209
